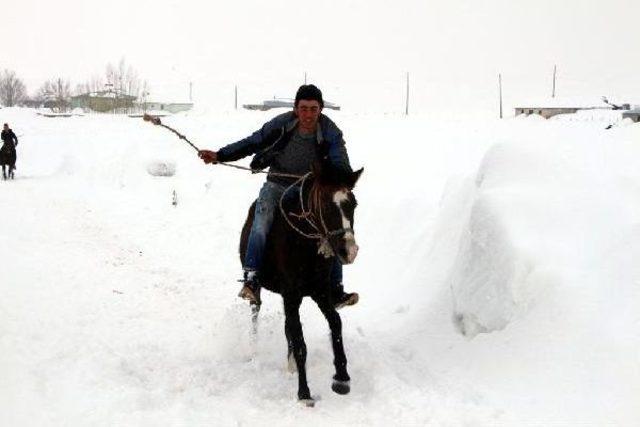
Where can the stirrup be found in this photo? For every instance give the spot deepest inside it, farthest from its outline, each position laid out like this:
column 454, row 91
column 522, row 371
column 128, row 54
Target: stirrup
column 250, row 295
column 347, row 299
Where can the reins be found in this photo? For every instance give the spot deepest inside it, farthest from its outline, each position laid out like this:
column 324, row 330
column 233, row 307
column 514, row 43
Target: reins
column 307, row 214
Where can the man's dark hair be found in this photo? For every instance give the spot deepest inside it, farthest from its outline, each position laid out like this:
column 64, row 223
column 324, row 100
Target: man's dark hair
column 309, row 93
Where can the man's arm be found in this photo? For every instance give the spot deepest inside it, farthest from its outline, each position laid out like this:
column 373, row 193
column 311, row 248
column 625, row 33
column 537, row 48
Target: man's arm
column 338, row 156
column 15, row 139
column 336, row 148
column 247, row 146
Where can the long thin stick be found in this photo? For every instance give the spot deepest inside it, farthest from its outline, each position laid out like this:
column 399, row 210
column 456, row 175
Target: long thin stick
column 156, row 121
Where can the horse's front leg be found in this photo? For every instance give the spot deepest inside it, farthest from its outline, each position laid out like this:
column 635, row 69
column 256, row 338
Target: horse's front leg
column 4, row 173
column 255, row 311
column 293, row 331
column 341, row 380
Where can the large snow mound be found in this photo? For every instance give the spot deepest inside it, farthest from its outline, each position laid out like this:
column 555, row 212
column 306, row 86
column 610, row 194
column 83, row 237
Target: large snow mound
column 535, row 213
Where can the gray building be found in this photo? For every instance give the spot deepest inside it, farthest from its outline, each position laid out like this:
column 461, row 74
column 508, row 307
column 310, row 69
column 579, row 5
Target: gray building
column 169, row 107
column 546, row 112
column 282, row 103
column 554, row 106
column 632, row 114
column 103, row 101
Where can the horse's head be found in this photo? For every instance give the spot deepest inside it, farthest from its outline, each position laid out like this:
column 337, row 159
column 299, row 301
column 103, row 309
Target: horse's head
column 334, row 205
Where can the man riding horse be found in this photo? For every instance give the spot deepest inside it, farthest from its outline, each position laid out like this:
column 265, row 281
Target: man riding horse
column 288, row 144
column 8, row 151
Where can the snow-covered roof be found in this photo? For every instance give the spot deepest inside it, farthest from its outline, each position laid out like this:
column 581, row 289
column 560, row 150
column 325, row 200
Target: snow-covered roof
column 105, row 94
column 565, row 102
column 165, row 103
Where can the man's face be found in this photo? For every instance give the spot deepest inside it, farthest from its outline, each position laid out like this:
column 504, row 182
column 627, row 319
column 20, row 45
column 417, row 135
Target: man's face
column 5, row 127
column 308, row 113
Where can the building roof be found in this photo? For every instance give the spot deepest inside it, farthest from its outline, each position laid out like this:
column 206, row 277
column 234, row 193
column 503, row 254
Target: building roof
column 582, row 102
column 283, row 103
column 105, row 94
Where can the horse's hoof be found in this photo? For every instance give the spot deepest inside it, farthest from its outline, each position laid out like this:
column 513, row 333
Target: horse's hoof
column 341, row 387
column 309, row 403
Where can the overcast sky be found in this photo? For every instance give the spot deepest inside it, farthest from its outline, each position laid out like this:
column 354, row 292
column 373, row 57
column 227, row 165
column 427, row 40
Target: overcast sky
column 357, row 51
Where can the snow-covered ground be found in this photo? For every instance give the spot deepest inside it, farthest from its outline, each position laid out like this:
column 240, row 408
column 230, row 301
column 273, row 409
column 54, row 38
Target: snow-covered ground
column 498, row 277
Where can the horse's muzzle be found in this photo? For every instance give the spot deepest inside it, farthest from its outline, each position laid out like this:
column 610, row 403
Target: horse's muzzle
column 351, row 251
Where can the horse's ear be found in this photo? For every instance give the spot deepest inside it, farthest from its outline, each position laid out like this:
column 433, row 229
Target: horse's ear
column 355, row 176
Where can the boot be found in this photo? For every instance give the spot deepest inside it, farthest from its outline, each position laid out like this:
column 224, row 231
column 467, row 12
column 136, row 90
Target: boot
column 251, row 287
column 342, row 298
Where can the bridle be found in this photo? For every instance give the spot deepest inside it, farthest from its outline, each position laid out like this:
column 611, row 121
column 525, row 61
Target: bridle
column 322, row 234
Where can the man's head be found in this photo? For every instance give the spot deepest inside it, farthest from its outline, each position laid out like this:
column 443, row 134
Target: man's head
column 6, row 126
column 309, row 93
column 308, row 105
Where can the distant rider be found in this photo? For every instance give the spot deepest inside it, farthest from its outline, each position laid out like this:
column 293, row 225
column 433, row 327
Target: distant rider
column 8, row 150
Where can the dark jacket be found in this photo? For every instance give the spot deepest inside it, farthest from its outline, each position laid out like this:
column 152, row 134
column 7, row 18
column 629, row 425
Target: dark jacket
column 9, row 136
column 10, row 141
column 267, row 142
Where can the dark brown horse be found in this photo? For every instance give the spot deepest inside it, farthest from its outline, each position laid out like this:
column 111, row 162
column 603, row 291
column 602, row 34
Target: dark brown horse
column 314, row 224
column 8, row 159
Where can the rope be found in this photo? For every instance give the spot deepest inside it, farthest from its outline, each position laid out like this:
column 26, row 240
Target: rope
column 301, row 180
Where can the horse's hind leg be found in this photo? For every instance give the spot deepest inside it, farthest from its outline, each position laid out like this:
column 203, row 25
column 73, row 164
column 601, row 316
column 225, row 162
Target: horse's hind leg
column 11, row 173
column 293, row 331
column 291, row 361
column 341, row 379
column 4, row 173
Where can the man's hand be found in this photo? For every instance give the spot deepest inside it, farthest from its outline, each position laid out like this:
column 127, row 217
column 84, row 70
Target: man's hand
column 208, row 156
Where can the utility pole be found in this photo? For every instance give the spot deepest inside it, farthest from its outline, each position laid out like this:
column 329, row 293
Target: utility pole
column 406, row 108
column 190, row 91
column 236, row 97
column 305, row 77
column 553, row 89
column 500, row 90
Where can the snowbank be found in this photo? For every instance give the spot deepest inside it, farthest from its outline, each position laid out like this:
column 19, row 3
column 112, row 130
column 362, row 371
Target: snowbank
column 541, row 275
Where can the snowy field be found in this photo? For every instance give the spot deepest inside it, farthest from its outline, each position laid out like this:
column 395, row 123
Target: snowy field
column 498, row 277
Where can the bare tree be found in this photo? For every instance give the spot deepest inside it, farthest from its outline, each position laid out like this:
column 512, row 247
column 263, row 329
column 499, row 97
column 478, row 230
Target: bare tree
column 12, row 89
column 95, row 84
column 132, row 82
column 80, row 89
column 56, row 94
column 111, row 75
column 123, row 78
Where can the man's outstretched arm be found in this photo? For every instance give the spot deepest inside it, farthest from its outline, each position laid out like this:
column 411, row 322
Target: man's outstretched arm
column 245, row 147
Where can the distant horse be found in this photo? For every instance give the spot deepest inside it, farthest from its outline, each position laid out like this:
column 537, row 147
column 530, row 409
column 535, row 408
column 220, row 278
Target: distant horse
column 8, row 159
column 315, row 223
